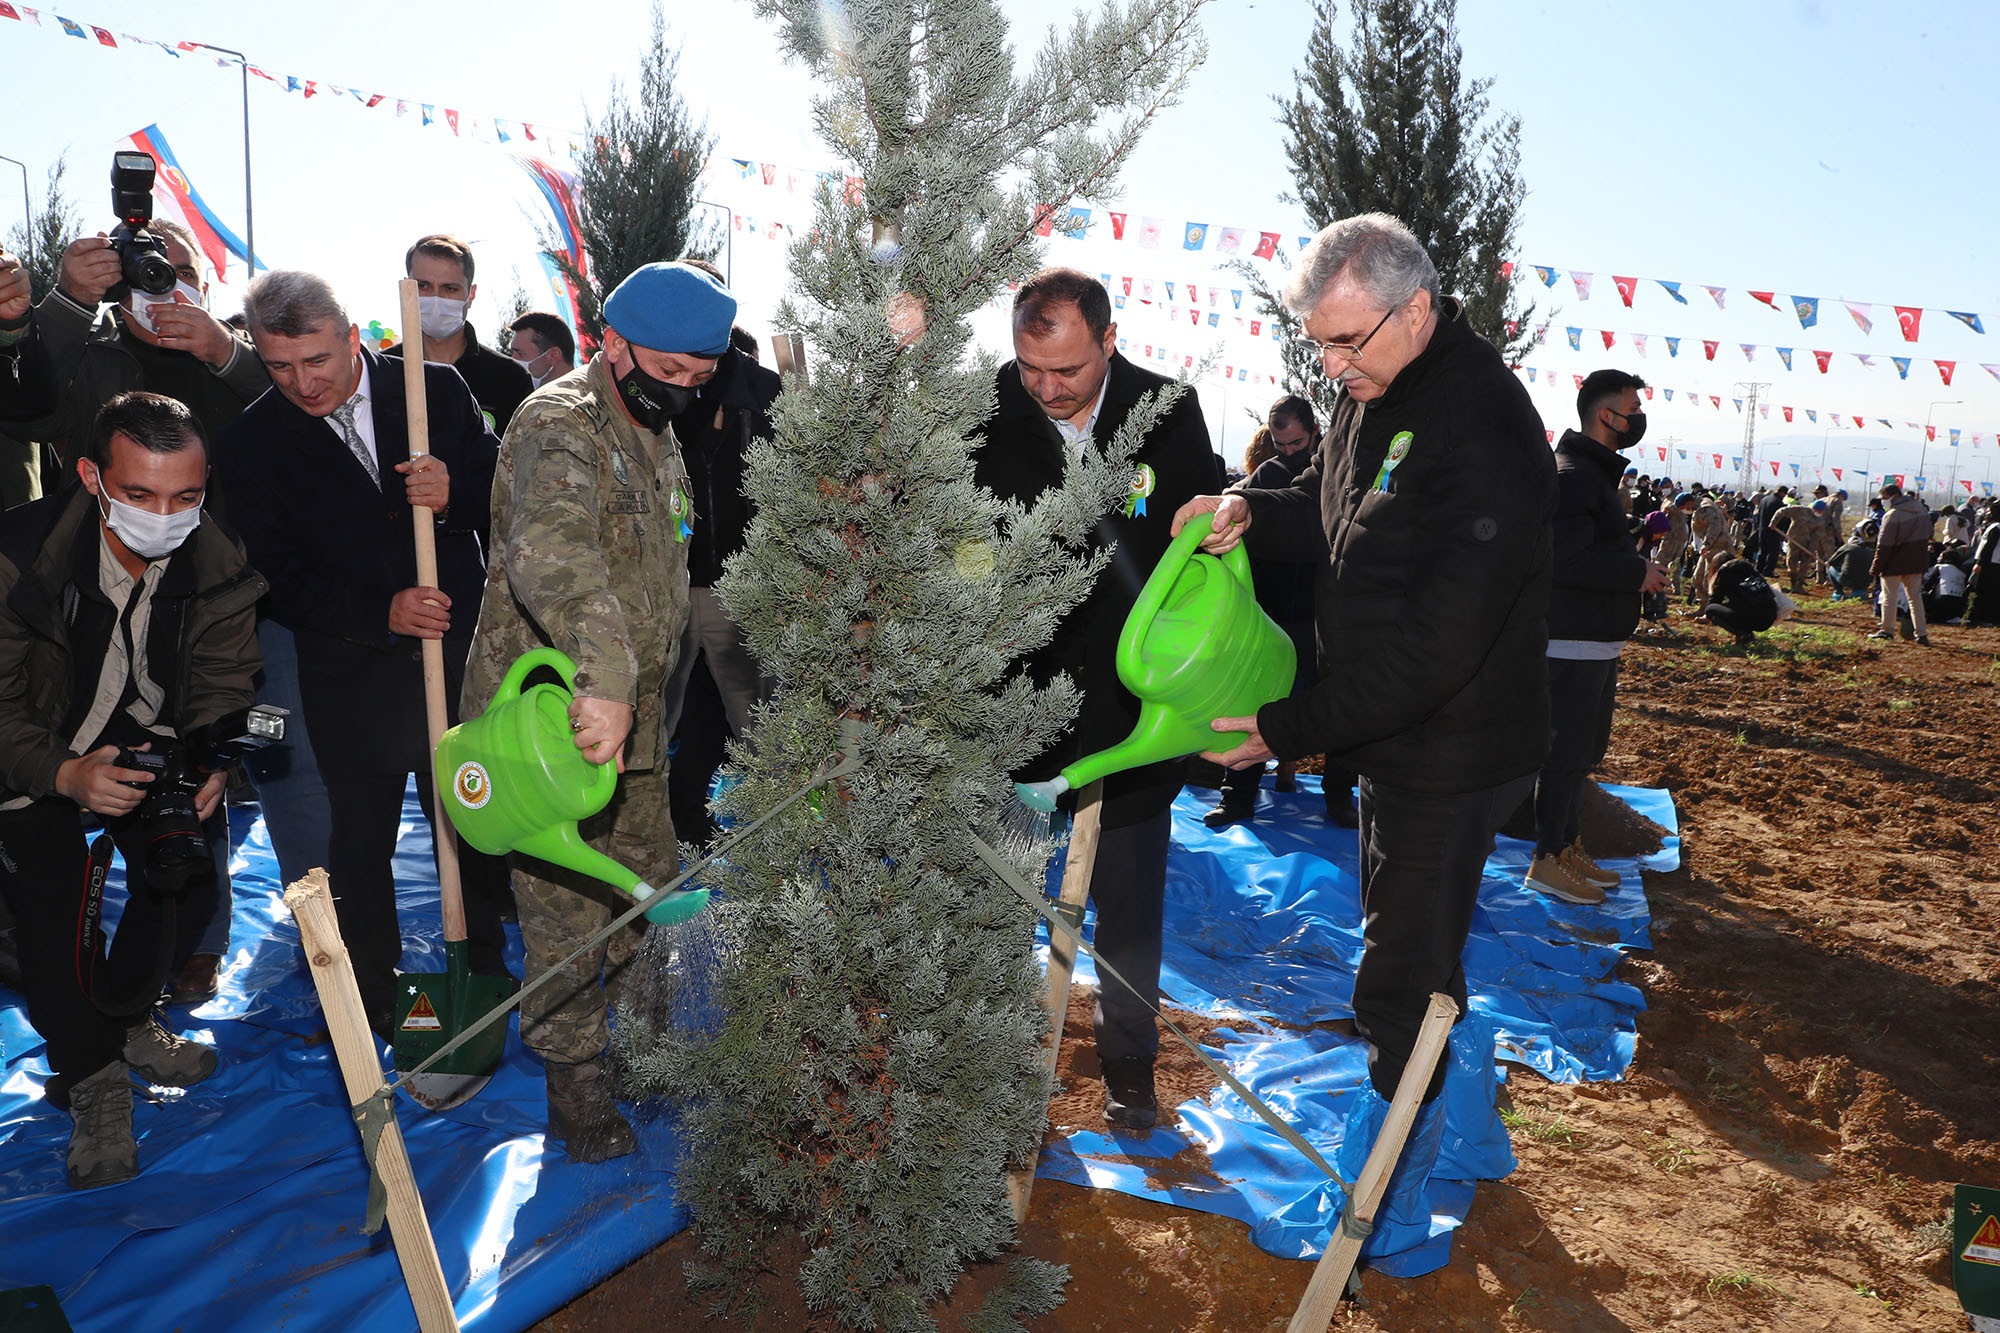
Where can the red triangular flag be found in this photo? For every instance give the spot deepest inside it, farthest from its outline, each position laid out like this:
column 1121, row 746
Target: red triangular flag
column 1768, row 298
column 1859, row 423
column 1930, row 433
column 1822, row 358
column 1118, row 226
column 1788, row 411
column 1625, row 288
column 1710, row 347
column 1945, row 368
column 1911, row 317
column 1836, row 474
column 1267, row 245
column 1609, row 335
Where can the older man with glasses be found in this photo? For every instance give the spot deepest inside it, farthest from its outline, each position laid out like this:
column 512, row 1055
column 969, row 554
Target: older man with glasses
column 1433, row 492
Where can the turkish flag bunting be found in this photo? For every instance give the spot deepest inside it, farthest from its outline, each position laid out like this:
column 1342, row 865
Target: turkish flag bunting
column 1710, row 346
column 1945, row 368
column 1267, row 245
column 1788, row 414
column 1128, row 285
column 1715, row 400
column 1859, row 423
column 1663, row 455
column 1578, row 379
column 1625, row 287
column 1836, row 474
column 1608, row 335
column 1768, row 298
column 1822, row 358
column 1551, row 434
column 1118, row 226
column 1911, row 317
column 1930, row 433
column 1717, row 458
column 1774, row 467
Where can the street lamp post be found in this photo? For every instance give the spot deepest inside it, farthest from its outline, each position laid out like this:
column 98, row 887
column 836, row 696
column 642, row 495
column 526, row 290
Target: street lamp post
column 27, row 214
column 249, row 213
column 1923, row 446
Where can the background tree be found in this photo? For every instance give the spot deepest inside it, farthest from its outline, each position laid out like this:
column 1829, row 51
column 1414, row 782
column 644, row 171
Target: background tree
column 870, row 1066
column 39, row 242
column 636, row 184
column 1390, row 124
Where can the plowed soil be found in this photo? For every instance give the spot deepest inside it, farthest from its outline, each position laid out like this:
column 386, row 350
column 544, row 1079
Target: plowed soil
column 1819, row 1062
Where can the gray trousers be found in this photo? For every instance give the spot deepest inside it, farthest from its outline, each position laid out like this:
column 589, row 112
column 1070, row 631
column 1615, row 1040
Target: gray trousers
column 713, row 634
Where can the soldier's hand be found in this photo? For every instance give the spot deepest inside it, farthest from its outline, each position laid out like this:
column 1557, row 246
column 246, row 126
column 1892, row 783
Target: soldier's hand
column 1252, row 751
column 1232, row 520
column 188, row 328
column 427, row 482
column 420, row 613
column 601, row 726
column 90, row 268
column 97, row 784
column 1657, row 578
column 14, row 291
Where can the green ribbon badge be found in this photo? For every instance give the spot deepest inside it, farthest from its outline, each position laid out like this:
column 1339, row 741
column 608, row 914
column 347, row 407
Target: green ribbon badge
column 679, row 506
column 1399, row 448
column 1143, row 482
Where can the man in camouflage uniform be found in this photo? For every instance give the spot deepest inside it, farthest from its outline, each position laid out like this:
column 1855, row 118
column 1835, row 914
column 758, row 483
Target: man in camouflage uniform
column 1712, row 529
column 590, row 524
column 1809, row 543
column 1674, row 547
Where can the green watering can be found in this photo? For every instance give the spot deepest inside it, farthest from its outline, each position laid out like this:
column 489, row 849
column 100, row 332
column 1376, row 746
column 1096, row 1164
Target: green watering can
column 1196, row 647
column 517, row 783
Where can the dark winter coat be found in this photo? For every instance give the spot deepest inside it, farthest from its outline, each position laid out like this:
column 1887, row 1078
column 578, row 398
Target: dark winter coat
column 28, row 384
column 1743, row 590
column 1432, row 611
column 1594, row 584
column 1021, row 455
column 1284, row 587
column 1903, row 545
column 56, row 625
column 731, row 410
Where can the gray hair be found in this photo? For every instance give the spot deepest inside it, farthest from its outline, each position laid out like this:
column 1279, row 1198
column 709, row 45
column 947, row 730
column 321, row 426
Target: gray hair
column 1375, row 251
column 291, row 304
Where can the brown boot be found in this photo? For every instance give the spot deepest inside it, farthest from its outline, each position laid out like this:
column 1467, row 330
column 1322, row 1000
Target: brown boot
column 583, row 1112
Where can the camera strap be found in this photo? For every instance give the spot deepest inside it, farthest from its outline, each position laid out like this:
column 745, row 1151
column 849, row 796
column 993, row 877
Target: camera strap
column 124, row 987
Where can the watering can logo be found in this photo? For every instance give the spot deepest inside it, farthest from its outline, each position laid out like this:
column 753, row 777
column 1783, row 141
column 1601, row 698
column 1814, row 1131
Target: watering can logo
column 1195, row 647
column 519, row 784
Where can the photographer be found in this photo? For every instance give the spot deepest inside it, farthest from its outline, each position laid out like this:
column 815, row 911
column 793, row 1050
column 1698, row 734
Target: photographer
column 127, row 621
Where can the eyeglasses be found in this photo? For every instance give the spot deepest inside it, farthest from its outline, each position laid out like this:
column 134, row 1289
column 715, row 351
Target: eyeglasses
column 1346, row 351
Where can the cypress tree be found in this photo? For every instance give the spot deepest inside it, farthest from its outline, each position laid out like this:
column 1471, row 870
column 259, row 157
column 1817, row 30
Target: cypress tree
column 1390, row 124
column 46, row 232
column 861, row 1065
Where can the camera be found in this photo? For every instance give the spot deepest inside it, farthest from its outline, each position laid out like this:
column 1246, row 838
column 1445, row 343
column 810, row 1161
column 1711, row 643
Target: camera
column 166, row 820
column 142, row 255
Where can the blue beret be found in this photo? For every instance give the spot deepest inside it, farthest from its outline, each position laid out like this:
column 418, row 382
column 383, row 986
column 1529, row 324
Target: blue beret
column 672, row 308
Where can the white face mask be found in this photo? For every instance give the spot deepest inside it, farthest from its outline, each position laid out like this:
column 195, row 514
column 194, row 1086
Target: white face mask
column 146, row 534
column 440, row 316
column 527, row 363
column 139, row 304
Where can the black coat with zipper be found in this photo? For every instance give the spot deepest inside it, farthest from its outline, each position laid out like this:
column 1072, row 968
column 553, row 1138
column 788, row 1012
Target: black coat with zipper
column 1020, row 456
column 1594, row 585
column 716, row 431
column 1432, row 608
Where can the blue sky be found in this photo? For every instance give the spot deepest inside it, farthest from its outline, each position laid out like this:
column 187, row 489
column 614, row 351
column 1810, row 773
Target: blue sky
column 1835, row 150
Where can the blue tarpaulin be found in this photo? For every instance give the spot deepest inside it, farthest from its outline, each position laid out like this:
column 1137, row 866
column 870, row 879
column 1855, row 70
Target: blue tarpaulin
column 248, row 1208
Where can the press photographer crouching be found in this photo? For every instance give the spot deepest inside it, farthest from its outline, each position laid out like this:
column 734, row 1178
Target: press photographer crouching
column 127, row 623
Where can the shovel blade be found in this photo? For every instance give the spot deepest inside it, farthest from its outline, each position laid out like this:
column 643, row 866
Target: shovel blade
column 434, row 1007
column 441, row 1092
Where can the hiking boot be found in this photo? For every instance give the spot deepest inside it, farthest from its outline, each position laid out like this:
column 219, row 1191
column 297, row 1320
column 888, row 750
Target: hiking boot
column 1129, row 1102
column 1583, row 868
column 158, row 1056
column 582, row 1112
column 1229, row 812
column 1549, row 875
column 1924, row 639
column 1881, row 634
column 102, row 1150
column 196, row 982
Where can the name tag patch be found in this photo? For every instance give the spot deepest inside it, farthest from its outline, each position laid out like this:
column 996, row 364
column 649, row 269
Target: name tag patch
column 629, row 502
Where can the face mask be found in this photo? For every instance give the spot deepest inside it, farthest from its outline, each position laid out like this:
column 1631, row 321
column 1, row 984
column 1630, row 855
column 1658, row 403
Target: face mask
column 139, row 304
column 652, row 402
column 527, row 363
column 1635, row 430
column 146, row 534
column 440, row 316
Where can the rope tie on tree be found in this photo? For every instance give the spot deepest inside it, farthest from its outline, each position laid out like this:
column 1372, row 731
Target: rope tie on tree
column 374, row 1112
column 1058, row 920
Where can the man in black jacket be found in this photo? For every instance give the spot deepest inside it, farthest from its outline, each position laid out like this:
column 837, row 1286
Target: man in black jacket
column 1067, row 390
column 321, row 473
column 1434, row 491
column 127, row 620
column 443, row 268
column 1597, row 582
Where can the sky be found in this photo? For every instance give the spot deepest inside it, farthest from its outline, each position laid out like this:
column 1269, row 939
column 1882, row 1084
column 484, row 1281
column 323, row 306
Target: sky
column 1834, row 150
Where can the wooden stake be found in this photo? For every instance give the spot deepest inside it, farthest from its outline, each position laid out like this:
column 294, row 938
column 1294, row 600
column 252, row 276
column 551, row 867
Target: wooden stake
column 1329, row 1278
column 1077, row 868
column 361, row 1069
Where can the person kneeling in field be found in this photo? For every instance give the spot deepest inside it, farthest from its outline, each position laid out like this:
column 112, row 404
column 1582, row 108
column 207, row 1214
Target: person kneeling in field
column 1741, row 601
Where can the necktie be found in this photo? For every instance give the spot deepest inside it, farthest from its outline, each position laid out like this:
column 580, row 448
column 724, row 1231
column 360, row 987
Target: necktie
column 343, row 420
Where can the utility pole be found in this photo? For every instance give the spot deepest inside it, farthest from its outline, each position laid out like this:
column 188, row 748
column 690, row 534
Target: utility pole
column 1749, row 473
column 249, row 212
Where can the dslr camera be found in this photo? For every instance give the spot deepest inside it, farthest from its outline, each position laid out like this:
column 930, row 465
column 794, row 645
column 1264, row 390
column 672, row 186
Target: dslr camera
column 141, row 254
column 166, row 820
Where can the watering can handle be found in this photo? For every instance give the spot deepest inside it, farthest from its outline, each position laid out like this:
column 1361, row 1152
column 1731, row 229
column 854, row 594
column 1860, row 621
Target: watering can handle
column 510, row 684
column 1165, row 574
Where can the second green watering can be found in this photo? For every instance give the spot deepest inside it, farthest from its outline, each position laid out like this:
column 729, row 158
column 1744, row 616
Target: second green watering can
column 1195, row 648
column 517, row 783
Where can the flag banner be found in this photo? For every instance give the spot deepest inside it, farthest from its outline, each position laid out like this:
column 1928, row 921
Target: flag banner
column 1575, row 338
column 1945, row 368
column 1674, row 346
column 1582, row 284
column 1170, row 291
column 1118, row 225
column 1836, row 474
column 1795, row 469
column 1807, row 309
column 1954, row 437
column 1236, row 297
column 1823, row 358
column 1663, row 453
column 1785, row 355
column 1578, row 379
column 1708, row 345
column 1267, row 245
column 1639, row 341
column 176, row 197
column 1921, row 482
column 1078, row 225
column 1859, row 309
column 1866, row 359
column 1718, row 461
column 1911, row 318
column 1902, row 364
column 1774, row 466
column 1812, row 415
column 1531, row 374
column 1149, row 233
column 1196, row 236
column 1669, row 393
column 1683, row 454
column 70, row 26
column 1765, row 410
column 1967, row 483
column 1788, row 414
column 1551, row 435
column 1715, row 401
column 1930, row 434
column 1626, row 286
column 1715, row 292
column 1738, row 402
column 1768, row 298
column 1229, row 241
column 1859, row 423
column 1673, row 289
column 1749, row 351
column 1045, row 216
column 1967, row 318
column 1609, row 336
column 1990, row 368
column 1546, row 274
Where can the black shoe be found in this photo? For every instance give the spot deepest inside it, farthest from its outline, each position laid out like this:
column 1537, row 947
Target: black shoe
column 1229, row 813
column 1129, row 1102
column 10, row 958
column 197, row 981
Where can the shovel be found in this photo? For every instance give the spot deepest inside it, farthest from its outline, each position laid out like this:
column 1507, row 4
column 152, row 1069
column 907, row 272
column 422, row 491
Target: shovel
column 432, row 1007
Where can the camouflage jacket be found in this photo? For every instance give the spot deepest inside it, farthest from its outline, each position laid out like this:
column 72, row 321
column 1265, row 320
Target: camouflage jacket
column 589, row 555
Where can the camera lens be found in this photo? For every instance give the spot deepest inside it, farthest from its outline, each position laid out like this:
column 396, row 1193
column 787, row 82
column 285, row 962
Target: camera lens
column 148, row 271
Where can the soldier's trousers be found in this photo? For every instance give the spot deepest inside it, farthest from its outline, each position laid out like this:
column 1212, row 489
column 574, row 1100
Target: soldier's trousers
column 564, row 1019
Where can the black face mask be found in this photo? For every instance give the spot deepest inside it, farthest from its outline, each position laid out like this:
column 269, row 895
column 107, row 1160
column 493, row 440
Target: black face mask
column 1635, row 428
column 652, row 402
